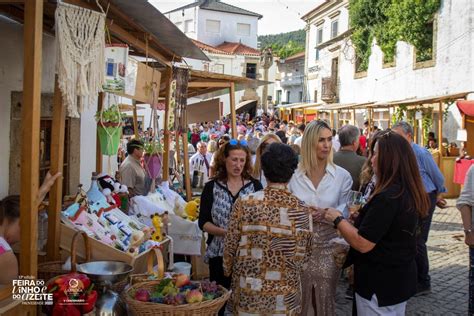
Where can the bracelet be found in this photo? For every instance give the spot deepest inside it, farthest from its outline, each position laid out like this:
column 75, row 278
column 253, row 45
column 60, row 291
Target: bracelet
column 337, row 220
column 468, row 231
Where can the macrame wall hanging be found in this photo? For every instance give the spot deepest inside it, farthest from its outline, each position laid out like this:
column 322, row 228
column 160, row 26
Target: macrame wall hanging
column 153, row 150
column 80, row 55
column 180, row 87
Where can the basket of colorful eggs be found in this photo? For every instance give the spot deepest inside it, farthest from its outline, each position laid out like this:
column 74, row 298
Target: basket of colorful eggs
column 176, row 296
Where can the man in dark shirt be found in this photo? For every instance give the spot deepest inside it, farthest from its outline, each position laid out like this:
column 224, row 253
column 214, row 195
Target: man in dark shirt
column 346, row 157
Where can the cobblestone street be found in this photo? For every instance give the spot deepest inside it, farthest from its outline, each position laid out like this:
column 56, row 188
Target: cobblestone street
column 448, row 269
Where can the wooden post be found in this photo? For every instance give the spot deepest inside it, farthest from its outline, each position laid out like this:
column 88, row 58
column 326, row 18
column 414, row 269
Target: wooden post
column 354, row 117
column 166, row 136
column 98, row 153
column 440, row 129
column 30, row 128
column 135, row 119
column 57, row 162
column 331, row 118
column 233, row 116
column 389, row 120
column 187, row 176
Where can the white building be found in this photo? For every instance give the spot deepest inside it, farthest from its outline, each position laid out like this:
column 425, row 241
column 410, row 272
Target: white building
column 331, row 62
column 228, row 36
column 290, row 83
column 214, row 22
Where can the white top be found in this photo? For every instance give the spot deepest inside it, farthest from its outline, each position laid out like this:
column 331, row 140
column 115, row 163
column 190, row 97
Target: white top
column 336, row 145
column 197, row 163
column 332, row 191
column 298, row 141
column 467, row 194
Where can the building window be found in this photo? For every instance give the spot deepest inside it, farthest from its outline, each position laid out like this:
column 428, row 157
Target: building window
column 315, row 96
column 300, row 96
column 278, row 97
column 334, row 28
column 251, row 71
column 427, row 54
column 213, row 26
column 319, row 40
column 188, row 26
column 243, row 29
column 218, row 68
column 288, row 94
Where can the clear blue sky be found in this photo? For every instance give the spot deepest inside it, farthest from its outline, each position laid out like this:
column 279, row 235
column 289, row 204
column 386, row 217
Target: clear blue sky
column 279, row 16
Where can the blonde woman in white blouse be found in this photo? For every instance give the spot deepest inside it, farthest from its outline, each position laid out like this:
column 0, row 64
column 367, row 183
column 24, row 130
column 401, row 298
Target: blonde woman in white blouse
column 320, row 183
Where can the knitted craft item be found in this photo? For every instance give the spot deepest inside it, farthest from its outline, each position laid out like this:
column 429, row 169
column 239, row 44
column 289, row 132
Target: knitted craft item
column 80, row 55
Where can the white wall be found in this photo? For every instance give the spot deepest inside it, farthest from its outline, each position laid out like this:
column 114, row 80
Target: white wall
column 292, row 75
column 228, row 29
column 11, row 79
column 180, row 17
column 452, row 72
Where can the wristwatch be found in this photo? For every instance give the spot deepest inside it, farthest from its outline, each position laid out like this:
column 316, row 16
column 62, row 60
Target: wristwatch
column 337, row 220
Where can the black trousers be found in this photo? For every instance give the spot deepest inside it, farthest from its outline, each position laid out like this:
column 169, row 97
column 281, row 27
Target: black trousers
column 422, row 262
column 216, row 273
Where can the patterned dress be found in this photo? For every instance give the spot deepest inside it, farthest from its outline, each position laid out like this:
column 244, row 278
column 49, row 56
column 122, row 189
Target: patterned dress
column 267, row 243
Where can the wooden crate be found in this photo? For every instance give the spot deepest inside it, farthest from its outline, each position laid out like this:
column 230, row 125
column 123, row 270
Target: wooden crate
column 101, row 251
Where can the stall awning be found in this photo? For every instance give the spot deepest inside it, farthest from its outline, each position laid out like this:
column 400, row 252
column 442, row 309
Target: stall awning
column 466, row 107
column 422, row 100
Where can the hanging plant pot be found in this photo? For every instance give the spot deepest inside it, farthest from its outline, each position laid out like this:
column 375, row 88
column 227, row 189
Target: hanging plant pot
column 153, row 164
column 109, row 138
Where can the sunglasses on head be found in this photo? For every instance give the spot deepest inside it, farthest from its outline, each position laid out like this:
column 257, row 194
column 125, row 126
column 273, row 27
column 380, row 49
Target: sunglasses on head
column 235, row 142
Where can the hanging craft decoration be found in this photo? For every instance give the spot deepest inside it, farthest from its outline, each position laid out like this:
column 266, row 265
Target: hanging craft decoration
column 153, row 150
column 116, row 58
column 109, row 122
column 180, row 80
column 80, row 55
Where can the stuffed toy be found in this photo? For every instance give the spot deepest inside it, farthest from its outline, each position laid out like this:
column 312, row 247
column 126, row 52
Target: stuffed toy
column 157, row 224
column 191, row 210
column 138, row 237
column 111, row 189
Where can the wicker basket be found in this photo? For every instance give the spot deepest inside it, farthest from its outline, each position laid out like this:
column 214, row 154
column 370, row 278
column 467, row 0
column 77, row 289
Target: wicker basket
column 51, row 269
column 205, row 308
column 144, row 277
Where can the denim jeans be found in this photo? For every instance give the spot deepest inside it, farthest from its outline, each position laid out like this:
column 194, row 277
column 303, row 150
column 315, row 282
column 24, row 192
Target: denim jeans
column 422, row 262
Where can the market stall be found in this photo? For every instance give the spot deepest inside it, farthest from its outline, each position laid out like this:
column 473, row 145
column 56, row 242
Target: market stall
column 123, row 19
column 466, row 137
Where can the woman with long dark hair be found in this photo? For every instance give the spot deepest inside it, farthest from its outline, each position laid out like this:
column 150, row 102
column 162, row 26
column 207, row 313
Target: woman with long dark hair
column 231, row 180
column 383, row 238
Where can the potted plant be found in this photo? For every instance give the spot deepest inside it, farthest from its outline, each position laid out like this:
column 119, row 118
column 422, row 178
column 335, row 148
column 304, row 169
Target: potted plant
column 153, row 157
column 109, row 122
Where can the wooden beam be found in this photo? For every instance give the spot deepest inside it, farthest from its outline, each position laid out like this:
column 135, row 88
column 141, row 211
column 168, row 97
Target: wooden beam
column 187, row 176
column 208, row 84
column 57, row 162
column 98, row 152
column 135, row 119
column 233, row 115
column 440, row 129
column 30, row 122
column 166, row 127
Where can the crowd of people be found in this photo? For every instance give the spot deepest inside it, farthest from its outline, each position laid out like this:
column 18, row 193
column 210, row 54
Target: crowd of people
column 280, row 228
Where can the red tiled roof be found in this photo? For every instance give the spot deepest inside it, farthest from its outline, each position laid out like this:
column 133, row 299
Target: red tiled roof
column 295, row 56
column 238, row 49
column 209, row 48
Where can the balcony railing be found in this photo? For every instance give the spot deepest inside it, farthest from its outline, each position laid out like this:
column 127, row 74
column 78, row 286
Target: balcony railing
column 291, row 80
column 329, row 90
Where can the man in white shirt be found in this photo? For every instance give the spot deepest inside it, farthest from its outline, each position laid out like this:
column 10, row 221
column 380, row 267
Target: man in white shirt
column 199, row 165
column 336, row 145
column 298, row 140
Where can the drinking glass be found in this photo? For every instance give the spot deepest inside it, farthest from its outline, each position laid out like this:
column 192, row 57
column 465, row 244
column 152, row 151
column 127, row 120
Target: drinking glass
column 355, row 201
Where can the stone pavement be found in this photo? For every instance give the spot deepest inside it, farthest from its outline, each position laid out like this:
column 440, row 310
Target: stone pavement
column 449, row 258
